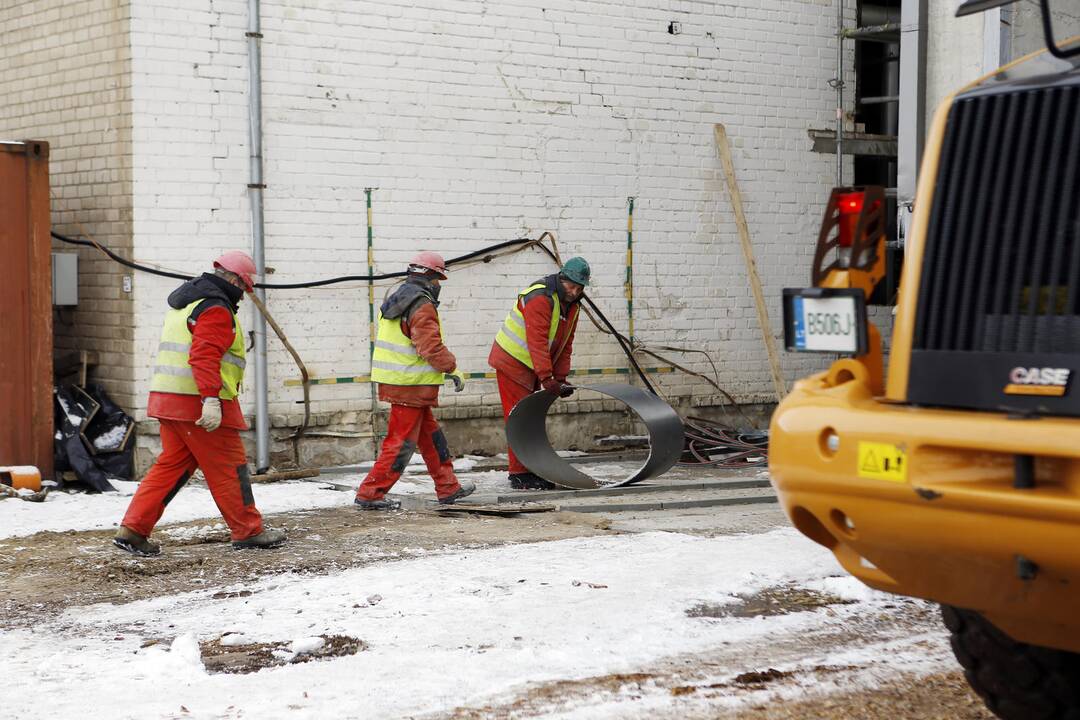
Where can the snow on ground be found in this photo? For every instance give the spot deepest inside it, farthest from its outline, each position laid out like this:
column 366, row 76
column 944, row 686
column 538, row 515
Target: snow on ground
column 82, row 511
column 444, row 630
column 865, row 668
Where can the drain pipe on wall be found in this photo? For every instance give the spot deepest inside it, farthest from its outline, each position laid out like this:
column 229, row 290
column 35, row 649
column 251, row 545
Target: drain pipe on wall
column 255, row 193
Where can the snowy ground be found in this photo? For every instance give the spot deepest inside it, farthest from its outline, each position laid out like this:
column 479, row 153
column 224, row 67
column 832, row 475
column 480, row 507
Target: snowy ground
column 449, row 630
column 80, row 511
column 655, row 615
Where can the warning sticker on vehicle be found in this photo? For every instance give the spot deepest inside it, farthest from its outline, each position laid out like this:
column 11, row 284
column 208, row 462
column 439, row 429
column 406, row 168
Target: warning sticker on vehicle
column 882, row 461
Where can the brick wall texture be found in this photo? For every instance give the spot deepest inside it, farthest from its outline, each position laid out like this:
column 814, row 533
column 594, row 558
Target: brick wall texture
column 474, row 122
column 65, row 75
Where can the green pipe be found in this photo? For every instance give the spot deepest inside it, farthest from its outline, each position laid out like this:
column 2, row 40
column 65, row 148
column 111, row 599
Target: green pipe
column 371, row 322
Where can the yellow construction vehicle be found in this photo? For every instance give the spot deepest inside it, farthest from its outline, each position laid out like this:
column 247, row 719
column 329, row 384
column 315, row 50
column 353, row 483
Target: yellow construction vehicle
column 955, row 475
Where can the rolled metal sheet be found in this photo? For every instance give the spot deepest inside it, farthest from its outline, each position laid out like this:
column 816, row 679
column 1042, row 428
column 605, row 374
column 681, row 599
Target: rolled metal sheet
column 526, row 432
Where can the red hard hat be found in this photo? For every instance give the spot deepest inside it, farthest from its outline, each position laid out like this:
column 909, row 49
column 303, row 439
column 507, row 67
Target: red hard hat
column 239, row 263
column 432, row 261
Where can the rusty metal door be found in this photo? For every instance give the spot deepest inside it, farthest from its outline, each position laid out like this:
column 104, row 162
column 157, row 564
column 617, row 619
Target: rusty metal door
column 26, row 341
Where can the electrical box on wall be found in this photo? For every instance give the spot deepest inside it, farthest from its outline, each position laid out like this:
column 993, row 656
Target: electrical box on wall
column 65, row 279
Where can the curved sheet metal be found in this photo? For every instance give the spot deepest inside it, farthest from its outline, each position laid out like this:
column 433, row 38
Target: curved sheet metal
column 527, row 434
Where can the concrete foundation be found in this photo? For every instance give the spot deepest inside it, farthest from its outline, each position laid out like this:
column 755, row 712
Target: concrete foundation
column 330, row 444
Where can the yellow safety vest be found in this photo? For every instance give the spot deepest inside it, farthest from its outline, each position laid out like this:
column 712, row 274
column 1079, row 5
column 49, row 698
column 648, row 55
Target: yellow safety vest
column 512, row 338
column 172, row 372
column 396, row 361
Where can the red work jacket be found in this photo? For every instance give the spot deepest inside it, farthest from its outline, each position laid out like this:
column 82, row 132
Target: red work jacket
column 548, row 361
column 211, row 336
column 422, row 327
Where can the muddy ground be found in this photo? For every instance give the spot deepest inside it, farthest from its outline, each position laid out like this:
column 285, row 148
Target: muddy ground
column 940, row 696
column 55, row 570
column 45, row 573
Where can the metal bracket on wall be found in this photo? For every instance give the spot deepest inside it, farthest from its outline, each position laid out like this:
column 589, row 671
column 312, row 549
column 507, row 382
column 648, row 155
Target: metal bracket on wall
column 855, row 143
column 526, row 432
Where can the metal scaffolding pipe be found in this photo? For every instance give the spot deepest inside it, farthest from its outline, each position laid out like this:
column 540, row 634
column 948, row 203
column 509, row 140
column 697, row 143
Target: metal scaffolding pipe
column 376, row 440
column 629, row 284
column 839, row 93
column 991, row 59
column 255, row 193
column 912, row 108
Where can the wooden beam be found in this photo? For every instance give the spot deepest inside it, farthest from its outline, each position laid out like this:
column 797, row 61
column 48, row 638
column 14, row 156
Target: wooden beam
column 723, row 148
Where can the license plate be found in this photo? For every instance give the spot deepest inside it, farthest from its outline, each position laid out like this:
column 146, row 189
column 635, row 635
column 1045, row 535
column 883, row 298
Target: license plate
column 819, row 320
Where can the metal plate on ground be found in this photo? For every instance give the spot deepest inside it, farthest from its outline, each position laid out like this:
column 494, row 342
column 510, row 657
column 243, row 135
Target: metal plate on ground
column 500, row 509
column 526, row 433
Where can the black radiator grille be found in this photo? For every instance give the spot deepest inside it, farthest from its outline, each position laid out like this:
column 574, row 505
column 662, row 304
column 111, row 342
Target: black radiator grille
column 1001, row 267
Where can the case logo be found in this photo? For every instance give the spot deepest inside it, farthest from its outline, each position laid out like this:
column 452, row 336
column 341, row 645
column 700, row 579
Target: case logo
column 1047, row 381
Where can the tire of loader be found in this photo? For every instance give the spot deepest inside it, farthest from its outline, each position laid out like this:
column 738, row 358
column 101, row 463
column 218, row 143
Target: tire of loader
column 1017, row 681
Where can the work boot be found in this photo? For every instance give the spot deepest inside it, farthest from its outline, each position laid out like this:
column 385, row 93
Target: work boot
column 467, row 488
column 134, row 543
column 362, row 504
column 529, row 481
column 266, row 539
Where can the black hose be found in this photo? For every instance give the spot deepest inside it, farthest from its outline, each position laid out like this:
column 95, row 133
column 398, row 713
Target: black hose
column 389, row 276
column 117, row 258
column 739, row 449
column 623, row 342
column 297, row 286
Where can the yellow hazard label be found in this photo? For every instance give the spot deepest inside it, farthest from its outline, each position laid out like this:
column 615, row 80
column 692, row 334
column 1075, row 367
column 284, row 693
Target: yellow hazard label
column 882, row 461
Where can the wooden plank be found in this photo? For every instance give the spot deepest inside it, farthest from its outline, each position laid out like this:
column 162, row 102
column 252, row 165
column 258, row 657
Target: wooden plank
column 724, row 149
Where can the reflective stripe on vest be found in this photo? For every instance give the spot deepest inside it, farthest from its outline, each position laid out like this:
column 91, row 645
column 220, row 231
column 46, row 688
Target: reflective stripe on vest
column 172, row 371
column 512, row 337
column 396, row 361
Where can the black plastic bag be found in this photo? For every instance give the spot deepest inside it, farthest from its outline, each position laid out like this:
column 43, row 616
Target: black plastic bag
column 94, row 438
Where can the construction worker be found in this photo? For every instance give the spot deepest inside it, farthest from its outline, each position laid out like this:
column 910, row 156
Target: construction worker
column 533, row 347
column 193, row 394
column 410, row 364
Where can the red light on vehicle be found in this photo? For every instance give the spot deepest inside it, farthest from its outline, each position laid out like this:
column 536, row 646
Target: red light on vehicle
column 850, row 206
column 851, row 203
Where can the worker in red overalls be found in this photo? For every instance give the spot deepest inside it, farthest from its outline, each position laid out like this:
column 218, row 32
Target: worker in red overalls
column 532, row 349
column 193, row 394
column 410, row 364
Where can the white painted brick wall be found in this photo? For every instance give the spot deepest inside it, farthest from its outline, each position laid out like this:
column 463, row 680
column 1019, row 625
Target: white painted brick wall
column 954, row 53
column 480, row 122
column 64, row 78
column 477, row 122
column 1025, row 32
column 955, row 45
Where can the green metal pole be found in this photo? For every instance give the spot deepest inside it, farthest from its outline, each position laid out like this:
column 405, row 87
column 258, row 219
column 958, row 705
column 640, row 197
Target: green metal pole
column 375, row 438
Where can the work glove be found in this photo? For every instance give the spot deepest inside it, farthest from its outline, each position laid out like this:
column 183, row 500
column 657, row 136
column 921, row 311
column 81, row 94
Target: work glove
column 566, row 390
column 458, row 379
column 552, row 385
column 211, row 414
